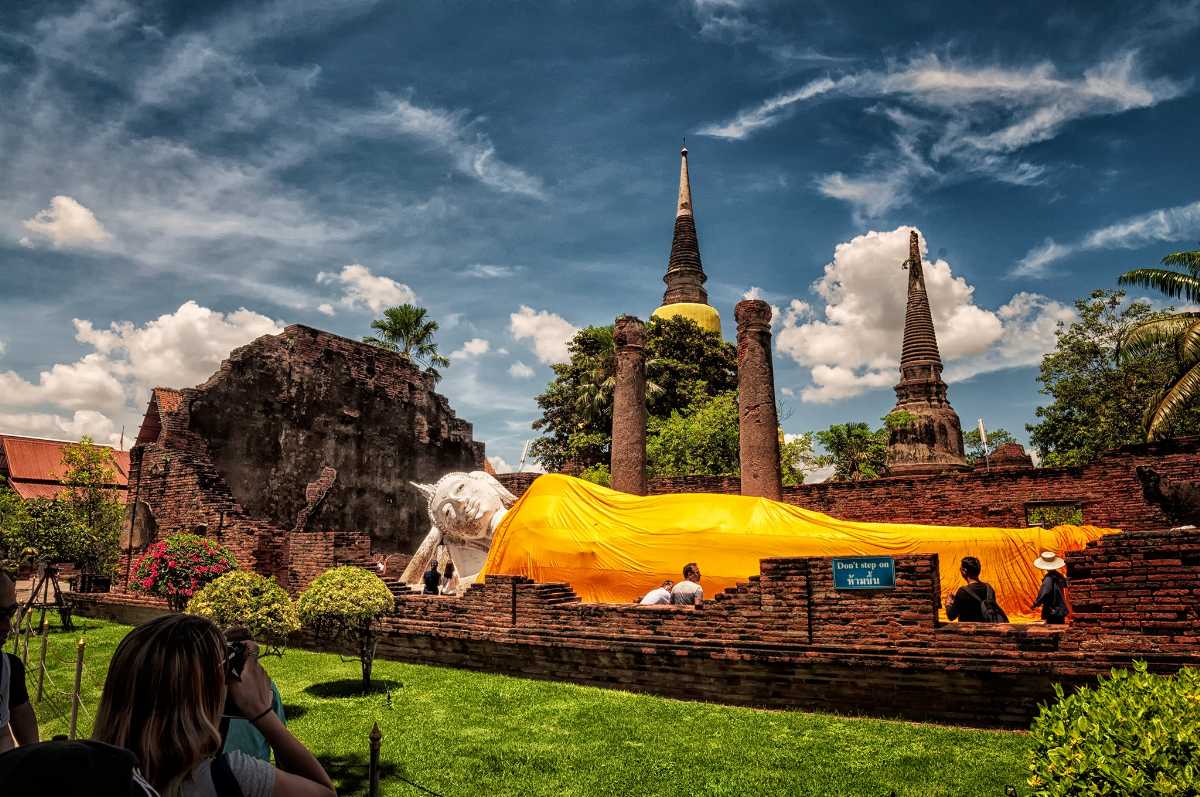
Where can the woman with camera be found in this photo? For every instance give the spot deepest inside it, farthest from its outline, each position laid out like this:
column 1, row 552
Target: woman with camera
column 163, row 700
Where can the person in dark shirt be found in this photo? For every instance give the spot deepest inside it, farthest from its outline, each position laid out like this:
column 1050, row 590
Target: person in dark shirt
column 1052, row 596
column 18, row 722
column 966, row 605
column 432, row 579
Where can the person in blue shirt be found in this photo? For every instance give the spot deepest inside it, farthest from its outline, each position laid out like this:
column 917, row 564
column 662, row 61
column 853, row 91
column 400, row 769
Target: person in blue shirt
column 241, row 734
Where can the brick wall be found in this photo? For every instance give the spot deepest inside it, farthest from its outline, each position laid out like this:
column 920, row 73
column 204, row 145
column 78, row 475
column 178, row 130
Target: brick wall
column 1107, row 491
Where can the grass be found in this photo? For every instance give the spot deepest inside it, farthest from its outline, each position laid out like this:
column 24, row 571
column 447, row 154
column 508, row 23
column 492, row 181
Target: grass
column 463, row 733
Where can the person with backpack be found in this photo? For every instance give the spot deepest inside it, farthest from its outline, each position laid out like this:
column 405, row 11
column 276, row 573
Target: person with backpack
column 163, row 699
column 976, row 601
column 1052, row 597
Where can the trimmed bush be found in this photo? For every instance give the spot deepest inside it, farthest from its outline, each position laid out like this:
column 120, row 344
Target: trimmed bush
column 341, row 605
column 1133, row 733
column 179, row 566
column 247, row 599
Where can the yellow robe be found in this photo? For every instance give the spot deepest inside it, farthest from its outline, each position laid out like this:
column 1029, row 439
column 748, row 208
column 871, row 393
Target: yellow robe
column 612, row 547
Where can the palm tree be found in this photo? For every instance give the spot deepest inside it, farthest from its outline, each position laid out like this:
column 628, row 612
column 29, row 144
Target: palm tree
column 1180, row 330
column 599, row 381
column 406, row 331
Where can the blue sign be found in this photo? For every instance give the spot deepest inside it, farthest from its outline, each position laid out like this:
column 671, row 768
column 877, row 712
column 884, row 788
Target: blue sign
column 864, row 572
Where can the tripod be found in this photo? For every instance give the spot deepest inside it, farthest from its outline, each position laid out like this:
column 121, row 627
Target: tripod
column 47, row 580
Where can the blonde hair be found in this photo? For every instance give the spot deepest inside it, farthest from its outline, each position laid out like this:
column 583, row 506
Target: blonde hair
column 163, row 697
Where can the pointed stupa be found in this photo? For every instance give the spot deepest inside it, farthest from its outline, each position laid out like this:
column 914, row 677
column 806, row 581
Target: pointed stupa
column 933, row 442
column 685, row 278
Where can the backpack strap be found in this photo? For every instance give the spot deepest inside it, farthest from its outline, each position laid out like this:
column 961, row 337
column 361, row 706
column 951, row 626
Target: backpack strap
column 223, row 779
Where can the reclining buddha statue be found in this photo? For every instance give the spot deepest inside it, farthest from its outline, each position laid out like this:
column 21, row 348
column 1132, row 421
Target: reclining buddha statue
column 612, row 547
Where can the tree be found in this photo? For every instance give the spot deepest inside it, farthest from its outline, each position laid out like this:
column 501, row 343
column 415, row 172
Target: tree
column 1180, row 332
column 973, row 443
column 797, row 458
column 342, row 605
column 701, row 440
column 243, row 598
column 406, row 331
column 90, row 470
column 14, row 519
column 1097, row 399
column 855, row 451
column 683, row 363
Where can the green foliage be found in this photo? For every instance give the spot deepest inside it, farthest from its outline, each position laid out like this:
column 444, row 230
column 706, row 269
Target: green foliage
column 14, row 519
column 406, row 331
column 341, row 605
column 797, row 458
column 1050, row 515
column 97, row 509
column 973, row 443
column 855, row 450
column 597, row 474
column 179, row 566
column 1134, row 733
column 701, row 440
column 1097, row 401
column 48, row 530
column 898, row 419
column 249, row 600
column 684, row 363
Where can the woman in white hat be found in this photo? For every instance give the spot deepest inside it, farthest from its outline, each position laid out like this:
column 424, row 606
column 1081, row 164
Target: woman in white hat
column 1052, row 597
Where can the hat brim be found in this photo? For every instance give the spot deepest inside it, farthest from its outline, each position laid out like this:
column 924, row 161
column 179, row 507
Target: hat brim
column 1053, row 564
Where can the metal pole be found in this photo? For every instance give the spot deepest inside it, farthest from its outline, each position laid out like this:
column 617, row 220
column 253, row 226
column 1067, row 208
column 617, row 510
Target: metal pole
column 373, row 772
column 75, row 696
column 42, row 659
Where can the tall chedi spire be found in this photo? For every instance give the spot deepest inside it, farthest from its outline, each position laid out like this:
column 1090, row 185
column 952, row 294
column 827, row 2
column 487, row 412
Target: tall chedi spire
column 685, row 294
column 932, row 442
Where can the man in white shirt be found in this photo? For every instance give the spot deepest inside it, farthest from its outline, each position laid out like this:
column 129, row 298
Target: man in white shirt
column 688, row 592
column 660, row 596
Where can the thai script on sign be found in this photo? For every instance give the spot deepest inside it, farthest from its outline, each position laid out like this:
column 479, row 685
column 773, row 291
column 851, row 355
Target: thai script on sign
column 864, row 572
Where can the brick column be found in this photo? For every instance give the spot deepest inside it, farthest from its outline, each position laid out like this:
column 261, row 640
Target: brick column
column 629, row 407
column 758, row 424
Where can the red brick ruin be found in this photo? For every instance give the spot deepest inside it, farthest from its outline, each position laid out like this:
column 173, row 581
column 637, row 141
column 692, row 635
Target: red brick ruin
column 758, row 423
column 628, row 452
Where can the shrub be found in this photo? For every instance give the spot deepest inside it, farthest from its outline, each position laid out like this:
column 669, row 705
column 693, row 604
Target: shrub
column 247, row 599
column 1134, row 733
column 341, row 605
column 177, row 567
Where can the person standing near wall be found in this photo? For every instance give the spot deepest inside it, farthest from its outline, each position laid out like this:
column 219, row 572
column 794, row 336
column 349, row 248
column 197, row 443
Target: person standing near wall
column 688, row 592
column 1052, row 597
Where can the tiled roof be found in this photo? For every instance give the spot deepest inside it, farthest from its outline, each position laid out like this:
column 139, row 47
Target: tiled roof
column 34, row 467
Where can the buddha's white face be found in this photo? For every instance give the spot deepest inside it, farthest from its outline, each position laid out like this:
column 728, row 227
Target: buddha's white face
column 464, row 506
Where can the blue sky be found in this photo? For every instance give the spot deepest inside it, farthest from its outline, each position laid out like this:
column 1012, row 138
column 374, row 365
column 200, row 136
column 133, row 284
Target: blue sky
column 176, row 180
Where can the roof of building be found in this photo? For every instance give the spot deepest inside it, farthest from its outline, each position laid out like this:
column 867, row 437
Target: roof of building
column 34, row 466
column 163, row 400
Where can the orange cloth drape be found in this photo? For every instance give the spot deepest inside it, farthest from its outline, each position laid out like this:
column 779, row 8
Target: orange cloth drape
column 612, row 547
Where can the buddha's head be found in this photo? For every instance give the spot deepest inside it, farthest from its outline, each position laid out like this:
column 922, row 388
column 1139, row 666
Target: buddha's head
column 464, row 505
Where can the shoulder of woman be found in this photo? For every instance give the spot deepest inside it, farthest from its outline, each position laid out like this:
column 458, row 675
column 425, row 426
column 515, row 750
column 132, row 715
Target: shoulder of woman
column 255, row 776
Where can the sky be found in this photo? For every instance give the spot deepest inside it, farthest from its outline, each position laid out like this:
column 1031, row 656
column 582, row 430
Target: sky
column 178, row 179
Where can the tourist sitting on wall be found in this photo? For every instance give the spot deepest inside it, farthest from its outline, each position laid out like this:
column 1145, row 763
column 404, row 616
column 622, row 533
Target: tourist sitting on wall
column 975, row 602
column 659, row 596
column 18, row 723
column 449, row 582
column 433, row 578
column 163, row 699
column 1052, row 597
column 238, row 732
column 688, row 592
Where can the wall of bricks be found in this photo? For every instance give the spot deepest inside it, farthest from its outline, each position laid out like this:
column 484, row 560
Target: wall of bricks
column 1107, row 491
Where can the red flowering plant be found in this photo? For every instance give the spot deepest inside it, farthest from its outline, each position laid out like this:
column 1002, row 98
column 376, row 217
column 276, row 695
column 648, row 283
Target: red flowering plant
column 179, row 566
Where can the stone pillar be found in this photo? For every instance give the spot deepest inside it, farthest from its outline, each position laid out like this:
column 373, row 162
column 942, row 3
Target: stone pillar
column 628, row 462
column 758, row 423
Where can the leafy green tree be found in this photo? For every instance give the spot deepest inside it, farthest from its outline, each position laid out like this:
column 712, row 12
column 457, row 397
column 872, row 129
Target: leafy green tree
column 973, row 443
column 14, row 520
column 48, row 531
column 1178, row 332
column 342, row 605
column 90, row 469
column 1097, row 400
column 683, row 363
column 855, row 450
column 797, row 458
column 406, row 331
column 243, row 598
column 701, row 440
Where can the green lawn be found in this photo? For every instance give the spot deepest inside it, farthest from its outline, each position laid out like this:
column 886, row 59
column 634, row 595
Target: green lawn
column 462, row 733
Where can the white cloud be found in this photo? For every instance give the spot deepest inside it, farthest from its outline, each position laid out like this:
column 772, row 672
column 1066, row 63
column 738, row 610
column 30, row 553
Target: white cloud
column 1166, row 224
column 958, row 119
column 854, row 344
column 470, row 149
column 520, row 370
column 549, row 332
column 361, row 288
column 471, row 348
column 325, row 308
column 67, row 225
column 500, row 464
column 487, row 271
column 756, row 292
column 110, row 384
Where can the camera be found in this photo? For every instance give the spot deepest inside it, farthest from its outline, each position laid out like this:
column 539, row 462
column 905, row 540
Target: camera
column 235, row 660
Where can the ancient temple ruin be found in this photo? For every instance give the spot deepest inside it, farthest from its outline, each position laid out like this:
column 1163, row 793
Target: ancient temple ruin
column 933, row 442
